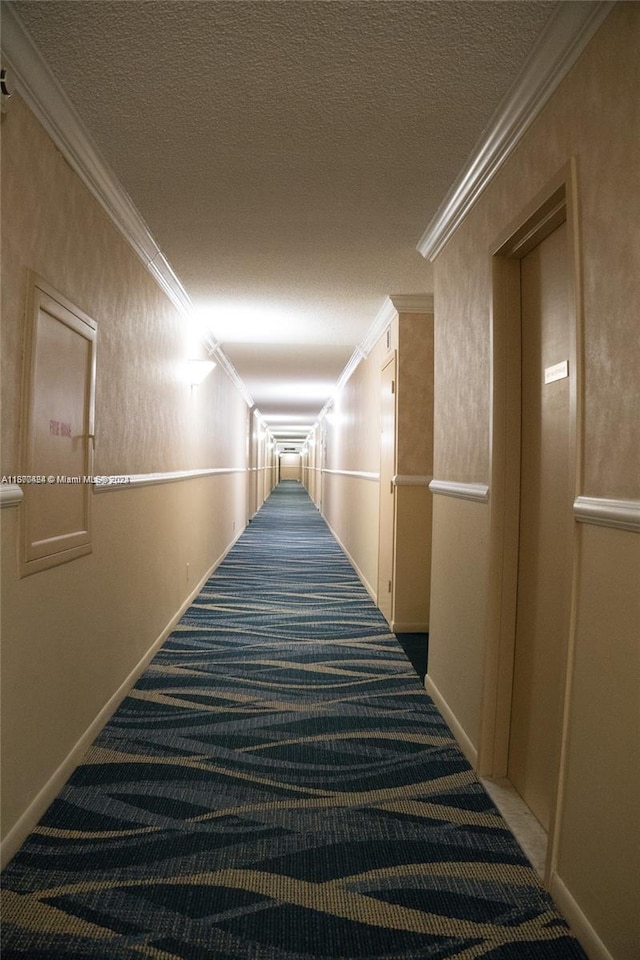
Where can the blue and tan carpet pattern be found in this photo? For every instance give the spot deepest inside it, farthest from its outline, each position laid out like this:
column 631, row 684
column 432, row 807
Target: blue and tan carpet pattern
column 277, row 786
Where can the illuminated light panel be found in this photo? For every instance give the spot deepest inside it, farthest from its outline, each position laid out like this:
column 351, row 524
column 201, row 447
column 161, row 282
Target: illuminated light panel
column 300, row 418
column 247, row 322
column 297, row 390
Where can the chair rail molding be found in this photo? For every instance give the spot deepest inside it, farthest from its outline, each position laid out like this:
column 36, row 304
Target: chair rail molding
column 621, row 514
column 462, row 491
column 562, row 41
column 106, row 484
column 360, row 474
column 11, row 495
column 411, row 480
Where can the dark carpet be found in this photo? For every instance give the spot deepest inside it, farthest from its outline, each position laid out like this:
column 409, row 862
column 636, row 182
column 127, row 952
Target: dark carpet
column 277, row 786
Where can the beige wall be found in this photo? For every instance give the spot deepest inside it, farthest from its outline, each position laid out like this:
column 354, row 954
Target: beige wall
column 594, row 117
column 263, row 464
column 350, row 435
column 74, row 633
column 414, row 469
column 351, row 468
column 599, row 848
column 290, row 466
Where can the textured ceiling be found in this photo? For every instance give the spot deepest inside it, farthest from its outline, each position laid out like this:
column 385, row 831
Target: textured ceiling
column 287, row 156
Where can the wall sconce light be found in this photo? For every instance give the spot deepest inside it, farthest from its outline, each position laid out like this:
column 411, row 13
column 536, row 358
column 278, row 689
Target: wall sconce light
column 198, row 370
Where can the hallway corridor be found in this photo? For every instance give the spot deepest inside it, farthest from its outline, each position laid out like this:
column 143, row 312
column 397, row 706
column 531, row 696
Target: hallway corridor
column 277, row 786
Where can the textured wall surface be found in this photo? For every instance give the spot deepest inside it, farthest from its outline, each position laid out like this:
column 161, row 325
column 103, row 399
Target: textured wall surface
column 147, row 417
column 415, row 394
column 290, row 151
column 593, row 118
column 72, row 634
column 350, row 504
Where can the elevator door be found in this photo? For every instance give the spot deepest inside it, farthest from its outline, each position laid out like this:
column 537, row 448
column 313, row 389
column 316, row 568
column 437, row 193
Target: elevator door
column 544, row 561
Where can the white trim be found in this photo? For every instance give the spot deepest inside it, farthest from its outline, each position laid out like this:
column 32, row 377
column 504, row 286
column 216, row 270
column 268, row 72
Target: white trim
column 621, row 514
column 360, row 474
column 126, row 481
column 412, row 302
column 462, row 491
column 395, row 304
column 29, row 819
column 352, row 363
column 562, row 41
column 44, row 96
column 410, row 480
column 383, row 318
column 232, row 373
column 10, row 495
column 452, row 722
column 580, row 926
column 353, row 563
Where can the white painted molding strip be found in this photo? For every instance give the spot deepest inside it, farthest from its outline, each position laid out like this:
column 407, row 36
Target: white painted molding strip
column 410, row 480
column 452, row 722
column 622, row 514
column 126, row 481
column 559, row 46
column 462, row 491
column 47, row 100
column 45, row 797
column 232, row 373
column 360, row 474
column 10, row 495
column 45, row 97
column 582, row 928
column 412, row 302
column 396, row 303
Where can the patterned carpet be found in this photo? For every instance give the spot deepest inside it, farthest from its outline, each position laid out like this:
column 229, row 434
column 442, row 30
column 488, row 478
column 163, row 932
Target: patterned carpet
column 277, row 786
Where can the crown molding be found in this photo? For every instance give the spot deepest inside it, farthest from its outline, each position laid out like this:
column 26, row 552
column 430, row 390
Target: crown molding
column 394, row 304
column 559, row 46
column 44, row 96
column 412, row 302
column 382, row 320
column 218, row 353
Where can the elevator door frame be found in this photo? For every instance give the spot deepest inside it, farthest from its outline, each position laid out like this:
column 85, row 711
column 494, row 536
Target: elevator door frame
column 554, row 205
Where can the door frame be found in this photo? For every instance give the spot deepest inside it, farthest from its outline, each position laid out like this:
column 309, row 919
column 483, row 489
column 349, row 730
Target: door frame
column 555, row 204
column 42, row 553
column 389, row 363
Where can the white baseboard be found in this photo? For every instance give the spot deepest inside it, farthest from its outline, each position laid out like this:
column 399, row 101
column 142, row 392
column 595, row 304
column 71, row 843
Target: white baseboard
column 470, row 752
column 580, row 926
column 365, row 582
column 34, row 812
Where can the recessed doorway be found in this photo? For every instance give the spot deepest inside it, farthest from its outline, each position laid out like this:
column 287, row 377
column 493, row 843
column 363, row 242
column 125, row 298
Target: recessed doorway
column 533, row 488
